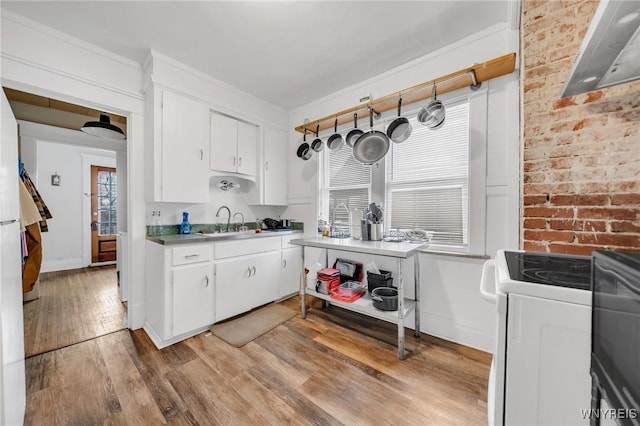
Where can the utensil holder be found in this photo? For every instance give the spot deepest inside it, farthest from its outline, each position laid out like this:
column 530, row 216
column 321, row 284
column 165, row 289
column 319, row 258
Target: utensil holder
column 376, row 232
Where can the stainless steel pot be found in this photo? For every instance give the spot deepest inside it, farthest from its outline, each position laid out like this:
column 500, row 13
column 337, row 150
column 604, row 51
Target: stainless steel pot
column 372, row 145
column 385, row 298
column 432, row 115
column 335, row 141
column 399, row 129
column 353, row 134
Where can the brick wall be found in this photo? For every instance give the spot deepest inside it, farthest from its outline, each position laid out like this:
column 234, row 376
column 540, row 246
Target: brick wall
column 581, row 155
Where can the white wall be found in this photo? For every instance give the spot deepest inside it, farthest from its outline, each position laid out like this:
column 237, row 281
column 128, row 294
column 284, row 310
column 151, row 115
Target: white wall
column 451, row 306
column 46, row 62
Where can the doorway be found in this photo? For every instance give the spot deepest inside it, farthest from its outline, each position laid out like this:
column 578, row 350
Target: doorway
column 104, row 214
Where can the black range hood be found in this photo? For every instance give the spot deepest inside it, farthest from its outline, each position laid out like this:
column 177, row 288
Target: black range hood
column 610, row 51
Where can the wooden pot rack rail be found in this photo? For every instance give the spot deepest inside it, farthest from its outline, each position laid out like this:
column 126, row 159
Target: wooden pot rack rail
column 471, row 76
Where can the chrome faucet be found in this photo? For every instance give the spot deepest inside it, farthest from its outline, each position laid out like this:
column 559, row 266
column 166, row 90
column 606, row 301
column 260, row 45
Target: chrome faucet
column 241, row 217
column 228, row 217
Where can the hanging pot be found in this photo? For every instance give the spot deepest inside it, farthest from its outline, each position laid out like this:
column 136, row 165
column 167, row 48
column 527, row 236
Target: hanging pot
column 317, row 144
column 400, row 129
column 335, row 141
column 353, row 134
column 432, row 114
column 372, row 145
column 304, row 150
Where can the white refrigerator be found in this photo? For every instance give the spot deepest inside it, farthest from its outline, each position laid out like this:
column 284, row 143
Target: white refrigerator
column 12, row 373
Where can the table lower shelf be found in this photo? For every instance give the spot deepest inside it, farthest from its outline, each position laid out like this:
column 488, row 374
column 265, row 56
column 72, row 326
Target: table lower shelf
column 364, row 305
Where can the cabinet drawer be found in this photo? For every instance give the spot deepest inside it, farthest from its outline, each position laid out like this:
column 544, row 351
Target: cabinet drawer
column 240, row 248
column 191, row 253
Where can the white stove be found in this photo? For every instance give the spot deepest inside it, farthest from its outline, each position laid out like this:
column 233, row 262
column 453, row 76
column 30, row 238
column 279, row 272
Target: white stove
column 540, row 369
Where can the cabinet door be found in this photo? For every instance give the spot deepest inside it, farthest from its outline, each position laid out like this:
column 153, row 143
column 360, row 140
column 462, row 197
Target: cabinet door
column 246, row 282
column 548, row 360
column 193, row 293
column 185, row 145
column 274, row 184
column 247, row 147
column 223, row 143
column 291, row 271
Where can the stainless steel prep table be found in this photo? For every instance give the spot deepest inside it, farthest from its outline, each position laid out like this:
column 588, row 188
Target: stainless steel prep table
column 400, row 251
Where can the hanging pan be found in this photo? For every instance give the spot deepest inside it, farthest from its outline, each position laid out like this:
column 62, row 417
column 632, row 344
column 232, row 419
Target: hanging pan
column 372, row 145
column 317, row 144
column 432, row 114
column 400, row 129
column 304, row 150
column 353, row 134
column 335, row 141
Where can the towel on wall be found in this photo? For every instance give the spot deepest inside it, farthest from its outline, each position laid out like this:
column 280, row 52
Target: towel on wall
column 37, row 199
column 29, row 212
column 32, row 263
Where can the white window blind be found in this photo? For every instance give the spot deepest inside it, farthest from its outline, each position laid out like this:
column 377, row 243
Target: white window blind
column 427, row 179
column 347, row 181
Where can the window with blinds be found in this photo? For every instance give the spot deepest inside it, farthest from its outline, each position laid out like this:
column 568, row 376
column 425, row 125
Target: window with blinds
column 346, row 182
column 428, row 179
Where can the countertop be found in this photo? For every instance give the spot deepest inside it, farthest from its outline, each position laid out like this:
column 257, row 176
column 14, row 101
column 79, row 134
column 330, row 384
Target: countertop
column 382, row 248
column 223, row 236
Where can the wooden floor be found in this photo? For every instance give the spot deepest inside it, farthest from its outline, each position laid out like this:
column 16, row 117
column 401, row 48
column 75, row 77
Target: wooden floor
column 73, row 306
column 333, row 368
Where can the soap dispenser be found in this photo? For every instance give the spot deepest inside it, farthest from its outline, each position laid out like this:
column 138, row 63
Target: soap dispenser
column 185, row 226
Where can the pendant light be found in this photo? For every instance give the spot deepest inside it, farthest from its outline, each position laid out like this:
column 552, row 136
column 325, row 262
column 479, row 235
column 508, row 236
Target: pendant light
column 103, row 128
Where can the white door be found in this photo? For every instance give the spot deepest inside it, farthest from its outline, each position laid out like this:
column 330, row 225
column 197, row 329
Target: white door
column 247, row 146
column 223, row 143
column 291, row 271
column 275, row 167
column 548, row 360
column 192, row 298
column 185, row 146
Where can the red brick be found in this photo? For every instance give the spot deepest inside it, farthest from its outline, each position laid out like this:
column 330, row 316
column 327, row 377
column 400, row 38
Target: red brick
column 534, row 246
column 594, row 96
column 535, row 224
column 573, row 249
column 625, row 199
column 619, row 239
column 578, row 225
column 548, row 212
column 530, row 200
column 607, row 213
column 534, row 235
column 579, row 200
column 625, row 226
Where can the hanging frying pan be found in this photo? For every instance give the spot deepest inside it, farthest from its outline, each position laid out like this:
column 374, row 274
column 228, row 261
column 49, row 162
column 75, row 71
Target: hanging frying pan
column 400, row 129
column 353, row 134
column 304, row 150
column 317, row 144
column 335, row 141
column 432, row 114
column 372, row 145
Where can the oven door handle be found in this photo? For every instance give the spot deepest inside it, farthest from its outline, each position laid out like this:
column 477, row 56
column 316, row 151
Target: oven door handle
column 489, row 268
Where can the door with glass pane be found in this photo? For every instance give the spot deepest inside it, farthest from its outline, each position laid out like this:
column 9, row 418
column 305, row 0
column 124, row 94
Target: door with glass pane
column 103, row 214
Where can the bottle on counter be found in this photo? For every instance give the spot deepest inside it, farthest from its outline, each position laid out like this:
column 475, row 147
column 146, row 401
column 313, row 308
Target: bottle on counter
column 158, row 225
column 185, row 226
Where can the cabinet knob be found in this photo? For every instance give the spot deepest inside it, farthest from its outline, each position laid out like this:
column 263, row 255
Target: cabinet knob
column 284, row 263
column 234, row 160
column 206, row 281
column 254, row 270
column 201, row 154
column 191, row 256
column 239, row 161
column 248, row 271
column 266, row 165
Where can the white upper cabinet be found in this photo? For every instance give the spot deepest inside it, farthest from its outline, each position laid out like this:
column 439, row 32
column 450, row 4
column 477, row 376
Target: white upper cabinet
column 179, row 139
column 233, row 145
column 275, row 167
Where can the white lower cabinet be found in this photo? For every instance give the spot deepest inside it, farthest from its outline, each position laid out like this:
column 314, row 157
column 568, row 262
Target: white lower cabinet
column 192, row 298
column 180, row 291
column 246, row 282
column 291, row 268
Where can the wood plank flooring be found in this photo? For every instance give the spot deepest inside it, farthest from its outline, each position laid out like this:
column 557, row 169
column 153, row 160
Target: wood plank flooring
column 73, row 306
column 333, row 368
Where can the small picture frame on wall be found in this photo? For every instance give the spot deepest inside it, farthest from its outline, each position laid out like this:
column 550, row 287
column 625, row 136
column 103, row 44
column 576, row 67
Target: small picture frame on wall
column 55, row 179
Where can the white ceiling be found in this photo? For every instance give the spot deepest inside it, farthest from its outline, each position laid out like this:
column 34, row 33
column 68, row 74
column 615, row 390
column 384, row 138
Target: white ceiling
column 287, row 53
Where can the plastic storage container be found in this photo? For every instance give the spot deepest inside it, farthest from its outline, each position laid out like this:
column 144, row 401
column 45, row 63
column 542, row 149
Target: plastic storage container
column 383, row 279
column 349, row 291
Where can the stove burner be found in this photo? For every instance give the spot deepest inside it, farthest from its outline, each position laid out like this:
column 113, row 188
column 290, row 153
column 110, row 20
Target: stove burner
column 564, row 279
